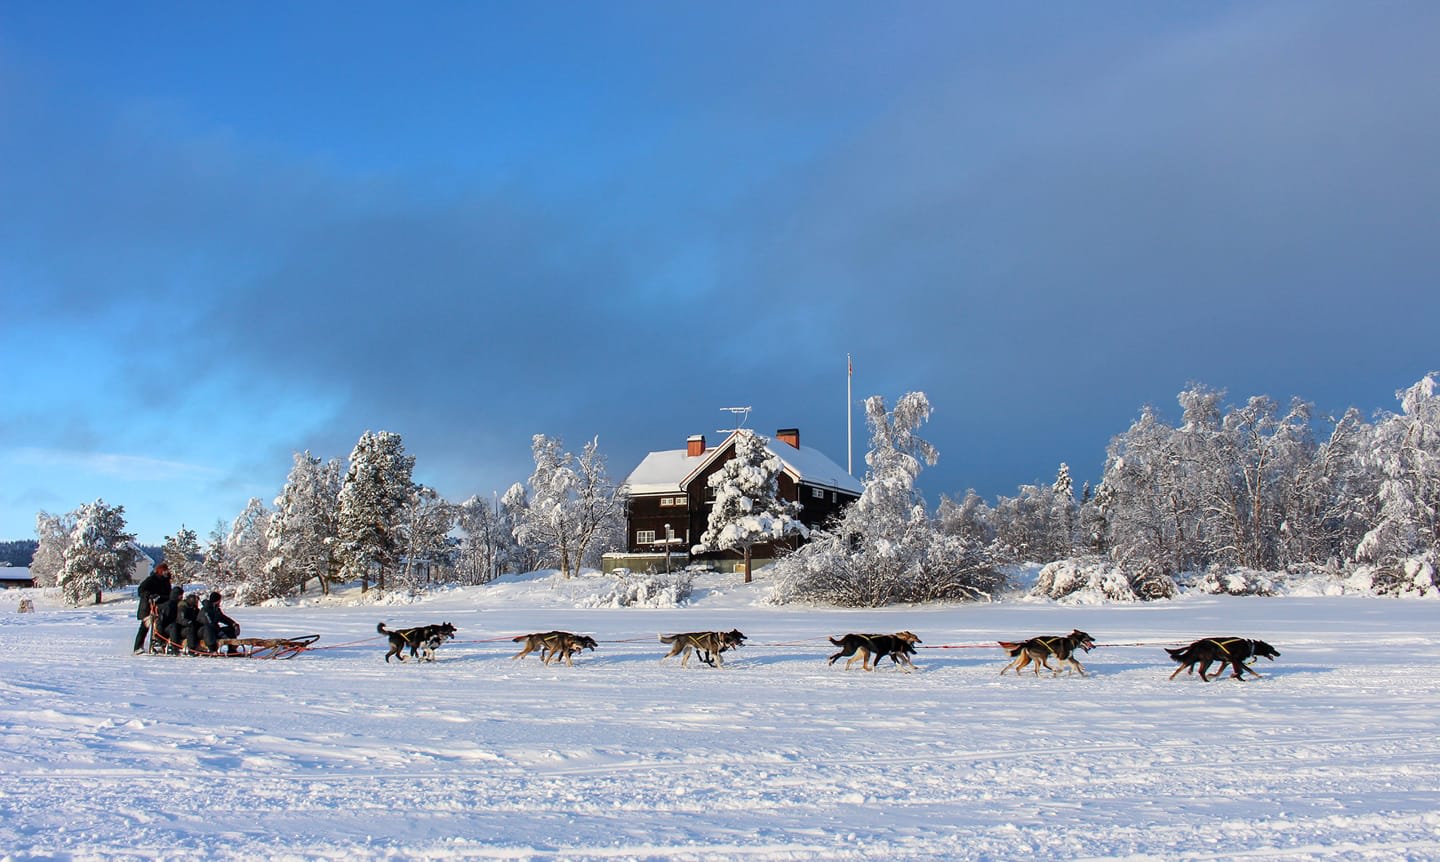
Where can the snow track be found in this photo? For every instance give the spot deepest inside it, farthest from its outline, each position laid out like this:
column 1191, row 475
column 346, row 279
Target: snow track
column 335, row 755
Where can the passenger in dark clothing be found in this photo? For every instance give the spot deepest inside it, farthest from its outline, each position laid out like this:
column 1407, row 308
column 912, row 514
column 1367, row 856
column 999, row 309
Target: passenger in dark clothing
column 152, row 591
column 187, row 623
column 214, row 624
column 169, row 623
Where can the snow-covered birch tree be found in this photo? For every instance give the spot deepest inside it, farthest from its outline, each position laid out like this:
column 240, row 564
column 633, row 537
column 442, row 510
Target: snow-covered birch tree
column 885, row 548
column 428, row 521
column 748, row 509
column 571, row 503
column 53, row 532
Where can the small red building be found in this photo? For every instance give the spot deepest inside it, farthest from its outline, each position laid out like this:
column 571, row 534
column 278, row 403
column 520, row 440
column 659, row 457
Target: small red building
column 670, row 498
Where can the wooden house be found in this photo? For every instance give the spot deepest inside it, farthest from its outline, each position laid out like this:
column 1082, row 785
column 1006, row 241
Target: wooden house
column 670, row 498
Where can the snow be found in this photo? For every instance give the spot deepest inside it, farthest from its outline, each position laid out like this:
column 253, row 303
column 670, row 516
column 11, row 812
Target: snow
column 778, row 756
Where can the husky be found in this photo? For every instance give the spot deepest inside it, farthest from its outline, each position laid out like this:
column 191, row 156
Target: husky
column 1232, row 651
column 422, row 640
column 707, row 645
column 554, row 646
column 865, row 647
column 1039, row 650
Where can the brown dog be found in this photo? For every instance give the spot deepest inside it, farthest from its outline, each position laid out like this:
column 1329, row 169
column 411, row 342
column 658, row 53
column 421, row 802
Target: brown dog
column 1039, row 650
column 554, row 645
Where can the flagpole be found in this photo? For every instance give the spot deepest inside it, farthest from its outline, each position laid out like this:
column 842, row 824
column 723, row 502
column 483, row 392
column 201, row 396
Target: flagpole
column 849, row 418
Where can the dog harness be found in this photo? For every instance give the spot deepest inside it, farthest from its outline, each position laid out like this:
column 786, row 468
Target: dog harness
column 1226, row 649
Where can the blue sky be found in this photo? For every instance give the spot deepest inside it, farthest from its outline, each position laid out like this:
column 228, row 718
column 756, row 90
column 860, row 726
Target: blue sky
column 231, row 232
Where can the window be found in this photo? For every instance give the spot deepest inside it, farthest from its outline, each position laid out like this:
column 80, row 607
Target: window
column 672, row 501
column 644, row 537
column 817, row 493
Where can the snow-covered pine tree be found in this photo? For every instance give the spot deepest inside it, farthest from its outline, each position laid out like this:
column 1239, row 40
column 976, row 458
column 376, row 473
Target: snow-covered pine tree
column 373, row 500
column 100, row 553
column 182, row 554
column 215, row 567
column 304, row 528
column 748, row 509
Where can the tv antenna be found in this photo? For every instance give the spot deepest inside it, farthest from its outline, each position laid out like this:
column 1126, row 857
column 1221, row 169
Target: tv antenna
column 742, row 412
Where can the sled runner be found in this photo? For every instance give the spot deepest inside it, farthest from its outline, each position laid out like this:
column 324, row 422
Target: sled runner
column 265, row 647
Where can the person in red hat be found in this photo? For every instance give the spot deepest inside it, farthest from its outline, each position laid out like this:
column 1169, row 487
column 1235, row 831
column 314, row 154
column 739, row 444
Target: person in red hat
column 152, row 591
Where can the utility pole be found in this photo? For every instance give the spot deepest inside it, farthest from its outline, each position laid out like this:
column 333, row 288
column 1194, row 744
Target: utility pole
column 849, row 418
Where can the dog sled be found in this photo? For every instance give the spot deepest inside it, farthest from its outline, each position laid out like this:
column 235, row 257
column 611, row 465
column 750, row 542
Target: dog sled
column 264, row 647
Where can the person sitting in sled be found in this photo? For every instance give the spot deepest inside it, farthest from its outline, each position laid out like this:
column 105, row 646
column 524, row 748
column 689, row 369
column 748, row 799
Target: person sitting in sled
column 214, row 624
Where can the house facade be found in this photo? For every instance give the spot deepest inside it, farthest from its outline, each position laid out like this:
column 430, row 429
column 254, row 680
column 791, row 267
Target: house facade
column 670, row 499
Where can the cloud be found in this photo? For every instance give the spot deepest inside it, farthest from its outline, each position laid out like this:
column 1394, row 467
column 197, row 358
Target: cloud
column 111, row 465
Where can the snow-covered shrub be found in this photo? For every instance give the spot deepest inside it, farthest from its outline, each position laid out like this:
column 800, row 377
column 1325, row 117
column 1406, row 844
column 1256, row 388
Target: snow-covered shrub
column 645, row 591
column 1236, row 582
column 1084, row 580
column 1415, row 577
column 1150, row 584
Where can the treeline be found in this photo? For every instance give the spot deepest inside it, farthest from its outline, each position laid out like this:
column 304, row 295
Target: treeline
column 1250, row 487
column 17, row 553
column 364, row 520
column 1240, row 487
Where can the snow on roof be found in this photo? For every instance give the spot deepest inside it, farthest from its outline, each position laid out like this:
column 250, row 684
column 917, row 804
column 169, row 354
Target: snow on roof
column 662, row 472
column 15, row 573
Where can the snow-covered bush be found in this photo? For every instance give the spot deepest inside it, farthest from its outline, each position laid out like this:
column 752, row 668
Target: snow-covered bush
column 1413, row 577
column 1150, row 584
column 645, row 591
column 1084, row 580
column 1236, row 582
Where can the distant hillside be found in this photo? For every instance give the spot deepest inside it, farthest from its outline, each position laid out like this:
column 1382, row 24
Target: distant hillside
column 17, row 553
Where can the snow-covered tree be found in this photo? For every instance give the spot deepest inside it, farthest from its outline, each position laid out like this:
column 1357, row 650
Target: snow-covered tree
column 247, row 548
column 303, row 531
column 215, row 567
column 428, row 522
column 1408, row 449
column 100, row 553
column 748, row 509
column 54, row 533
column 373, row 501
column 570, row 504
column 511, row 516
column 483, row 540
column 182, row 554
column 885, row 547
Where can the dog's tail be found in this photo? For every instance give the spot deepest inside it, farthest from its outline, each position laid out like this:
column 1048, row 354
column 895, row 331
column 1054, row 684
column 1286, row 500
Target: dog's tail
column 1012, row 647
column 518, row 638
column 668, row 639
column 1177, row 653
column 381, row 629
column 840, row 642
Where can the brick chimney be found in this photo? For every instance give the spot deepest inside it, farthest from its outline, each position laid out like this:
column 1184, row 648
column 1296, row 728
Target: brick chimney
column 789, row 435
column 695, row 446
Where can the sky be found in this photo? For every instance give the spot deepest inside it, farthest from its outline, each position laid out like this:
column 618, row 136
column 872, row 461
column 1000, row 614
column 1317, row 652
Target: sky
column 229, row 233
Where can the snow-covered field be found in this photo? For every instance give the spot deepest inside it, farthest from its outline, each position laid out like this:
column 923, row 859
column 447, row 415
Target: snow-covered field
column 1334, row 754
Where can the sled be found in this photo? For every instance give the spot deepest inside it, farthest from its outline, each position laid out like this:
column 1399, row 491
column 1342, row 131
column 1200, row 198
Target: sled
column 264, row 647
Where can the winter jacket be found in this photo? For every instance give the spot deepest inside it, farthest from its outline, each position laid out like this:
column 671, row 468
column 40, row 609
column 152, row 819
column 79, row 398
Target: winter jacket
column 155, row 587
